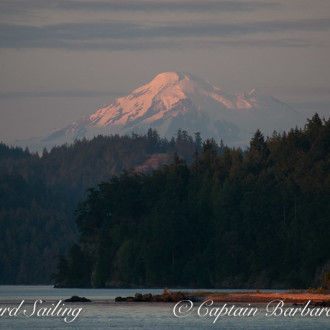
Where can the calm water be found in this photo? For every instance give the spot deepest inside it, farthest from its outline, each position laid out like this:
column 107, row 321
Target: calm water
column 104, row 313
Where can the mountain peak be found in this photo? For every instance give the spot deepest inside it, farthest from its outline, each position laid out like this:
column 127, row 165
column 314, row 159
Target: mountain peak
column 166, row 78
column 175, row 81
column 159, row 83
column 174, row 86
column 181, row 79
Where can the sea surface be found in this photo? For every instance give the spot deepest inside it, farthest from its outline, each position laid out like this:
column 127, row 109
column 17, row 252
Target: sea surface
column 104, row 313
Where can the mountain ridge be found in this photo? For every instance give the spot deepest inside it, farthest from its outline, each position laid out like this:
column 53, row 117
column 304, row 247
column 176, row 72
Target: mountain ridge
column 177, row 100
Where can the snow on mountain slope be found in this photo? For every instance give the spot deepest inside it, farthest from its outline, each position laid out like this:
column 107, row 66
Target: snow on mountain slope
column 175, row 100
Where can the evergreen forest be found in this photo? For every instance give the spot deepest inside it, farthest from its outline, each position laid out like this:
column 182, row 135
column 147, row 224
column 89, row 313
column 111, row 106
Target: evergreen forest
column 221, row 217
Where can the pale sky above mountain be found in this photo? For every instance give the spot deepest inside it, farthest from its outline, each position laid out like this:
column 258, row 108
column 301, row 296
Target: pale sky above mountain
column 62, row 59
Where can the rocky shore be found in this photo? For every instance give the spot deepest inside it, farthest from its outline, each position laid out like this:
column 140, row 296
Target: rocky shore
column 148, row 297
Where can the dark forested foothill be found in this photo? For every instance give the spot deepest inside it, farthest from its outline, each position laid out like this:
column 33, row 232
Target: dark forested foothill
column 228, row 219
column 39, row 193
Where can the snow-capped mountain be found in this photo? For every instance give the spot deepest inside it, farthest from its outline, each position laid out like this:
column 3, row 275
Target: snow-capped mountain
column 175, row 100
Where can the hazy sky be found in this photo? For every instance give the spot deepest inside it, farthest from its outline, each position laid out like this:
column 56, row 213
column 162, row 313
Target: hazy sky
column 62, row 59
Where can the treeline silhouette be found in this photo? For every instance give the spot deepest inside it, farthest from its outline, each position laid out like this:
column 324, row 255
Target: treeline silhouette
column 259, row 218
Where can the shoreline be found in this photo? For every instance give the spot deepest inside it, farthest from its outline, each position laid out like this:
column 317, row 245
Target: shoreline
column 261, row 297
column 230, row 297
